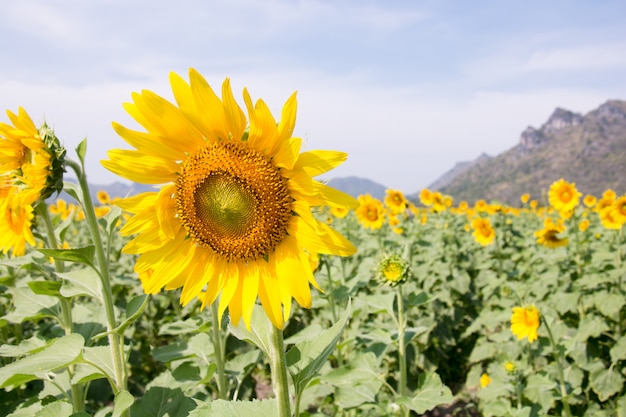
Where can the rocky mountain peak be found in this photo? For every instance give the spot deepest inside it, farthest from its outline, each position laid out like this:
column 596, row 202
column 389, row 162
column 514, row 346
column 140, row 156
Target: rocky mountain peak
column 561, row 118
column 531, row 138
column 612, row 108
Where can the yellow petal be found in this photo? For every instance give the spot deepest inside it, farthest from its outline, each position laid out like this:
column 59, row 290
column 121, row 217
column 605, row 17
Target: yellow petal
column 318, row 162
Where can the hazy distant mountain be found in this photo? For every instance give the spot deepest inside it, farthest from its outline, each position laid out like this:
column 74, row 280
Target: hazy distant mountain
column 589, row 150
column 458, row 169
column 356, row 186
column 351, row 185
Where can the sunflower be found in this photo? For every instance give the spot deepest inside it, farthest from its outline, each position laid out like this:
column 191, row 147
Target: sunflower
column 524, row 198
column 485, row 380
column 525, row 322
column 31, row 159
column 103, row 197
column 563, row 196
column 548, row 235
column 590, row 201
column 483, row 232
column 426, row 197
column 618, row 210
column 17, row 222
column 339, row 212
column 395, row 201
column 608, row 218
column 392, row 270
column 371, row 212
column 233, row 215
column 510, row 367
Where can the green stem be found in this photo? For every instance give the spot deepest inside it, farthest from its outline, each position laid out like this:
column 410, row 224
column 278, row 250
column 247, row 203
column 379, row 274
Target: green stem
column 278, row 366
column 115, row 340
column 559, row 362
column 401, row 341
column 78, row 404
column 218, row 346
column 331, row 293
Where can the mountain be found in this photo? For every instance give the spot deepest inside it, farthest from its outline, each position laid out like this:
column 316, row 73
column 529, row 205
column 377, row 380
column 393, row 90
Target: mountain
column 456, row 171
column 588, row 150
column 356, row 186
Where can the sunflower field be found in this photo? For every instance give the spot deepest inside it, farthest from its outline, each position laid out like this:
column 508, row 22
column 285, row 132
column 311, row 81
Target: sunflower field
column 178, row 302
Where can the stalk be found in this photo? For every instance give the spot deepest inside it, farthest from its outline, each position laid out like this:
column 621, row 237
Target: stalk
column 559, row 362
column 278, row 366
column 218, row 346
column 78, row 403
column 401, row 343
column 115, row 340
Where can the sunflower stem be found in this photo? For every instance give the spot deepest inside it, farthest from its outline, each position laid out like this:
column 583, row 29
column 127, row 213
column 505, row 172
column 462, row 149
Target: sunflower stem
column 115, row 340
column 220, row 354
column 559, row 362
column 401, row 341
column 278, row 365
column 78, row 404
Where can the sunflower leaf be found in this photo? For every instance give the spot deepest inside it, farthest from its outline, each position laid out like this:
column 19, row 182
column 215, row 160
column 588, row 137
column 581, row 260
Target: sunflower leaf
column 81, row 151
column 83, row 255
column 256, row 408
column 162, row 402
column 58, row 354
column 259, row 333
column 431, row 392
column 306, row 358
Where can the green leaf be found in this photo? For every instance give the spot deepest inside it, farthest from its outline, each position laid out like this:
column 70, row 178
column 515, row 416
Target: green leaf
column 431, row 392
column 100, row 358
column 618, row 351
column 305, row 359
column 541, row 390
column 81, row 151
column 30, row 306
column 621, row 406
column 172, row 351
column 609, row 304
column 123, row 400
column 84, row 255
column 110, row 220
column 45, row 287
column 591, row 326
column 73, row 190
column 221, row 408
column 84, row 281
column 163, row 402
column 55, row 409
column 59, row 354
column 381, row 302
column 357, row 382
column 178, row 327
column 418, row 299
column 605, row 382
column 25, row 347
column 134, row 309
column 259, row 333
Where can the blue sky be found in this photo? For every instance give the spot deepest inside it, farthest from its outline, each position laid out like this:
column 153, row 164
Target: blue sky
column 407, row 88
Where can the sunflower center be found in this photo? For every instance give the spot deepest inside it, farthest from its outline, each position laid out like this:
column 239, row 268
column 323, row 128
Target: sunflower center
column 393, row 272
column 233, row 200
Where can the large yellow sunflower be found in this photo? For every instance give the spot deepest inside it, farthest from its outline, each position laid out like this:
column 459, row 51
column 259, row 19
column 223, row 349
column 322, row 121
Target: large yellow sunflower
column 563, row 196
column 233, row 215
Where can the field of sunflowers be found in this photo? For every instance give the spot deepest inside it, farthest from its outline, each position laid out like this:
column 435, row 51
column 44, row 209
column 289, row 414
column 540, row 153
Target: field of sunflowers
column 179, row 302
